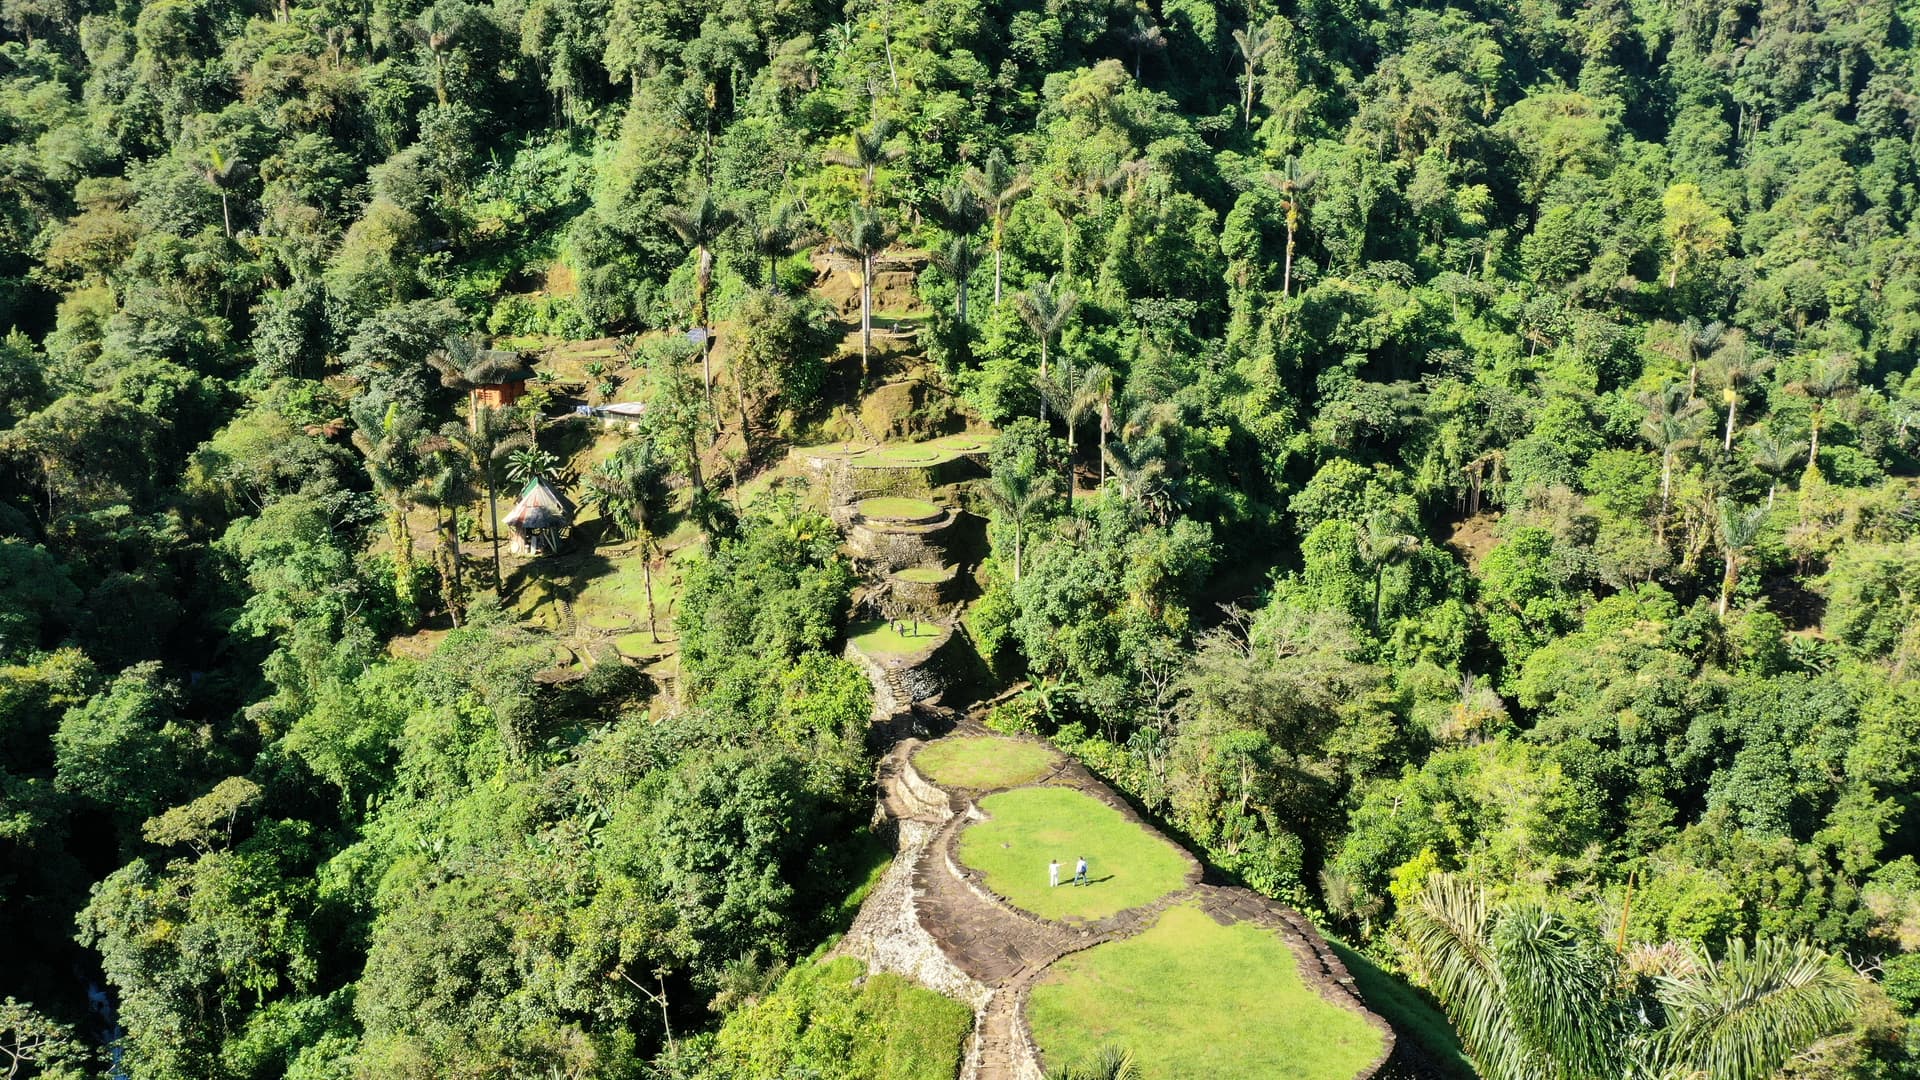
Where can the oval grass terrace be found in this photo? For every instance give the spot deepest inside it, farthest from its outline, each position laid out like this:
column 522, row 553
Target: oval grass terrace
column 1129, row 866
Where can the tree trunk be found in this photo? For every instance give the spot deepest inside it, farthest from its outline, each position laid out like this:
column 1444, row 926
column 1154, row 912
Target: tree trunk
column 1105, row 419
column 1043, row 374
column 703, row 281
column 960, row 300
column 1727, row 581
column 866, row 314
column 996, row 264
column 1018, row 531
column 453, row 557
column 1286, row 274
column 1666, row 487
column 226, row 215
column 1246, row 101
column 1813, row 442
column 646, row 576
column 493, row 530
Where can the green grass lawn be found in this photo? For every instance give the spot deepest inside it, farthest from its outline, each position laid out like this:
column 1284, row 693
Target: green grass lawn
column 923, row 575
column 1196, row 1000
column 983, row 761
column 1129, row 866
column 875, row 638
column 895, row 508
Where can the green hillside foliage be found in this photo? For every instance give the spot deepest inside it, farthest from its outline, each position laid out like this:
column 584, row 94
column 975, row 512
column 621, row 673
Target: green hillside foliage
column 1533, row 383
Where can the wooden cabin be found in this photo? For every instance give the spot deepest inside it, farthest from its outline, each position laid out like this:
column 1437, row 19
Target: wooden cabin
column 500, row 379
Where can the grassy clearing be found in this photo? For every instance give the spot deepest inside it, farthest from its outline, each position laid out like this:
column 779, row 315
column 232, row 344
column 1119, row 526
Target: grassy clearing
column 895, row 508
column 924, row 575
column 875, row 638
column 1195, row 1000
column 1129, row 865
column 982, row 762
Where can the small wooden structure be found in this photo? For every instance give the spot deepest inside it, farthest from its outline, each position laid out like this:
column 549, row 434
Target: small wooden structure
column 500, row 379
column 540, row 520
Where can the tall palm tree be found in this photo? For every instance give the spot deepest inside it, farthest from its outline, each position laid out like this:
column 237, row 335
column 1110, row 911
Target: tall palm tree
column 866, row 234
column 389, row 441
column 1672, row 426
column 1734, row 367
column 780, row 232
column 699, row 226
column 486, row 443
column 628, row 489
column 1045, row 308
column 958, row 260
column 1533, row 995
column 999, row 186
column 1828, row 379
column 438, row 28
column 1293, row 182
column 1775, row 457
column 1739, row 528
column 960, row 211
column 1699, row 341
column 866, row 152
column 443, row 486
column 1255, row 43
column 1097, row 387
column 1016, row 496
column 1381, row 547
column 1140, row 37
column 222, row 172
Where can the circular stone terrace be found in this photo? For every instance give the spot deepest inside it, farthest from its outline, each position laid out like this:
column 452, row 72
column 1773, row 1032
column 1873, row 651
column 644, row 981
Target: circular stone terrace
column 1196, row 980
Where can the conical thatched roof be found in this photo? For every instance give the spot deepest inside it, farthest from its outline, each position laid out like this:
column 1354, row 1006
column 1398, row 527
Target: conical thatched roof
column 540, row 507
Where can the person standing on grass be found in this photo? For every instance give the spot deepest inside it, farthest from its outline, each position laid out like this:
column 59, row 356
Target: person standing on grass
column 1053, row 873
column 1080, row 871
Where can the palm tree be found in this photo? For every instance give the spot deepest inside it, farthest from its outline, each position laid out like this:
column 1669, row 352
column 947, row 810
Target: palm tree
column 222, row 172
column 444, row 486
column 1381, row 547
column 1292, row 183
column 780, row 232
column 1533, row 995
column 389, row 441
column 1672, row 425
column 1699, row 342
column 1016, row 496
column 1772, row 456
column 486, row 442
column 866, row 152
column 866, row 234
column 1734, row 366
column 1097, row 386
column 699, row 226
column 438, row 28
column 1829, row 378
column 1739, row 528
column 958, row 260
column 628, row 489
column 1745, row 1014
column 999, row 187
column 1045, row 308
column 1255, row 44
column 1140, row 37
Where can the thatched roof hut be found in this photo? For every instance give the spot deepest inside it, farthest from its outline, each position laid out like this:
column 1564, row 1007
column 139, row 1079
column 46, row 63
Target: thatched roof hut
column 540, row 519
